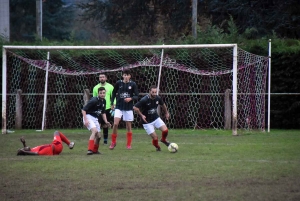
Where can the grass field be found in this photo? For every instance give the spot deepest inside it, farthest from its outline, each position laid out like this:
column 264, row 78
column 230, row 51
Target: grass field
column 210, row 165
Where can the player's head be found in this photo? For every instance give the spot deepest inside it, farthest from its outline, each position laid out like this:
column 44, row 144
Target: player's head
column 102, row 78
column 126, row 75
column 153, row 91
column 101, row 92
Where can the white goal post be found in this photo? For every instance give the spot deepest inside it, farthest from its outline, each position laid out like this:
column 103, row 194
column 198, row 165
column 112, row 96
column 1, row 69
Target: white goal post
column 192, row 80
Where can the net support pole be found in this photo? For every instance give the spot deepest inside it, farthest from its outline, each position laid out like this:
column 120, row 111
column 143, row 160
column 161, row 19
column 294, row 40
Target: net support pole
column 234, row 92
column 4, row 71
column 160, row 67
column 269, row 86
column 45, row 93
column 159, row 75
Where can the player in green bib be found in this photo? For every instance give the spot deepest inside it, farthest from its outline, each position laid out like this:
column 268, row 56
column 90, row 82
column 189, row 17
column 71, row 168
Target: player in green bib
column 109, row 89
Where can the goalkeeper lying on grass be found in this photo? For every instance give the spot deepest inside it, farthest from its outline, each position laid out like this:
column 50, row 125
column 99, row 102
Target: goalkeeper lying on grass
column 55, row 148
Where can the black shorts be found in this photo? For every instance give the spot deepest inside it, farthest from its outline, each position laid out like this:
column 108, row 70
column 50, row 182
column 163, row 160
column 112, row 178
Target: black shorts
column 108, row 117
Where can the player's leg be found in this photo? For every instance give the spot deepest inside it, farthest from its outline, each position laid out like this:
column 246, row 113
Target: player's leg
column 65, row 139
column 46, row 149
column 92, row 142
column 94, row 127
column 128, row 118
column 97, row 143
column 155, row 141
column 57, row 143
column 57, row 147
column 114, row 135
column 150, row 130
column 164, row 130
column 128, row 134
column 97, row 138
column 104, row 126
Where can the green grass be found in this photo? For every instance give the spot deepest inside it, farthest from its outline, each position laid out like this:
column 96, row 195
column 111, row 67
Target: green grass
column 210, row 165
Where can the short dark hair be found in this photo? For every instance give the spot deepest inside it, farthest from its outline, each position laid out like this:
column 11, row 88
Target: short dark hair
column 126, row 71
column 103, row 74
column 101, row 89
column 152, row 87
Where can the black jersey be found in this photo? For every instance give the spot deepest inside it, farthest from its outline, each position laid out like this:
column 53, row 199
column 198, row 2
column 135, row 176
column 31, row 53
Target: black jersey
column 95, row 107
column 149, row 106
column 124, row 90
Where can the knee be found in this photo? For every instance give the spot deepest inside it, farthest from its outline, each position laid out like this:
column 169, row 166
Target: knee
column 154, row 136
column 93, row 133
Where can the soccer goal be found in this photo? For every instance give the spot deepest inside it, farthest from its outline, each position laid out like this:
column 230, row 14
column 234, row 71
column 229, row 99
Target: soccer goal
column 216, row 86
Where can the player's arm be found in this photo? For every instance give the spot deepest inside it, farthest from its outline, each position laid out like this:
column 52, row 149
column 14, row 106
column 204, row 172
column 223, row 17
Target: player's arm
column 113, row 95
column 165, row 109
column 110, row 95
column 137, row 107
column 138, row 111
column 95, row 91
column 105, row 120
column 22, row 139
column 104, row 114
column 135, row 93
column 85, row 120
column 24, row 152
column 84, row 109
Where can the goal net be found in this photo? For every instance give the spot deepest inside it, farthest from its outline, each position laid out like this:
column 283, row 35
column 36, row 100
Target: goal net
column 204, row 86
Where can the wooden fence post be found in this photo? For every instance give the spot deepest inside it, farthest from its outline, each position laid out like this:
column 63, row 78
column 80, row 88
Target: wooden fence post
column 86, row 96
column 227, row 112
column 19, row 114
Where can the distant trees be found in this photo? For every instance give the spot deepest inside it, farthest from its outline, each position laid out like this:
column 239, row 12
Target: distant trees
column 155, row 19
column 161, row 18
column 57, row 20
column 147, row 18
column 282, row 17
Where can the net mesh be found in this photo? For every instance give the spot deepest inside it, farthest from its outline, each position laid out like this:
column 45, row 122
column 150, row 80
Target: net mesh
column 192, row 83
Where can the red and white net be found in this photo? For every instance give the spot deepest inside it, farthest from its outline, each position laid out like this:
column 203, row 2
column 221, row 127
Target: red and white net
column 192, row 83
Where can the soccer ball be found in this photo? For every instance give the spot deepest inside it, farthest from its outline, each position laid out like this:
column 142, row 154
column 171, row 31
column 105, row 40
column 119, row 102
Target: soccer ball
column 173, row 147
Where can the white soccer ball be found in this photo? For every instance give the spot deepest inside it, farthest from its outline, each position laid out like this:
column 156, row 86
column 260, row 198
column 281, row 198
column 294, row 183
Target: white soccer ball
column 173, row 147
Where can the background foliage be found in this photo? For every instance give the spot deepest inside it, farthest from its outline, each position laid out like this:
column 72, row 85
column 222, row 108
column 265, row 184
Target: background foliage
column 57, row 20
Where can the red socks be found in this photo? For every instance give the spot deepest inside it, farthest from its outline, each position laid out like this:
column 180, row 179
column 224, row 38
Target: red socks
column 114, row 138
column 129, row 138
column 96, row 147
column 164, row 135
column 155, row 143
column 91, row 145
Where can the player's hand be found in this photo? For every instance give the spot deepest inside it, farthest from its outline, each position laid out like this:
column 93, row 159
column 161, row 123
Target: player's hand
column 108, row 124
column 20, row 152
column 112, row 107
column 167, row 116
column 22, row 139
column 144, row 118
column 127, row 100
column 86, row 123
